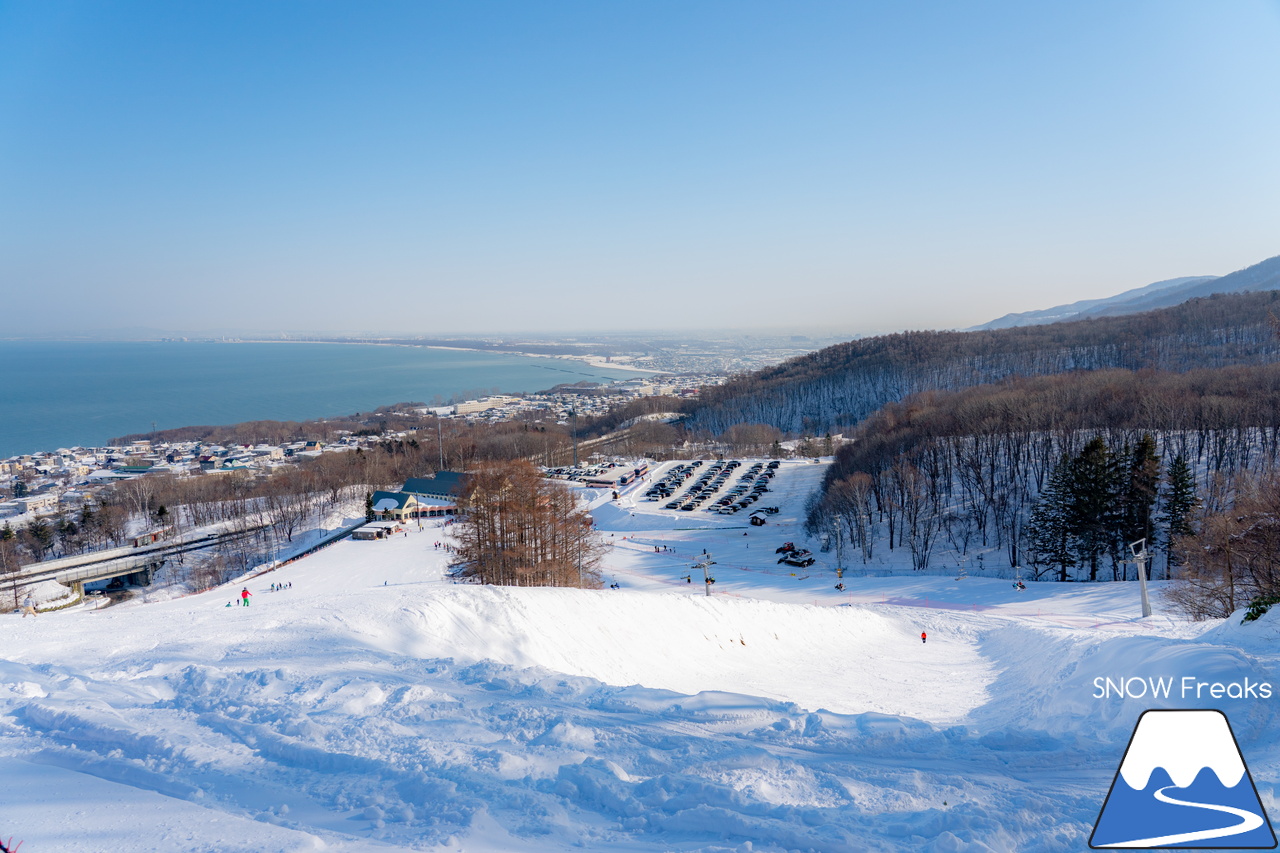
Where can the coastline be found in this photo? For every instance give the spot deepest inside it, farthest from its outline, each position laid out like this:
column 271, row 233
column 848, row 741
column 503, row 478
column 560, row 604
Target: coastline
column 80, row 394
column 597, row 361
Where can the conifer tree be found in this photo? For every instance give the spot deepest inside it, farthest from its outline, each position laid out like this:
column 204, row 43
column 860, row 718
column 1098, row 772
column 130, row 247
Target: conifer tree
column 1093, row 484
column 1138, row 487
column 1052, row 542
column 1180, row 501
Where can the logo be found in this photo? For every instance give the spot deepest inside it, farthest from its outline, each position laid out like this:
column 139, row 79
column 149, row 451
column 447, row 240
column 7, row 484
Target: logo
column 1183, row 784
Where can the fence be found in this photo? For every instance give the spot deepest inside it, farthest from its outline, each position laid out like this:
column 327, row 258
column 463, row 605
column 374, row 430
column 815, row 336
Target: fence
column 336, row 536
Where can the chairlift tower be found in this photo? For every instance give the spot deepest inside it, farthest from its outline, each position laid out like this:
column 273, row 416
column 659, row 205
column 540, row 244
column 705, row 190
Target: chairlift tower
column 1139, row 551
column 706, row 563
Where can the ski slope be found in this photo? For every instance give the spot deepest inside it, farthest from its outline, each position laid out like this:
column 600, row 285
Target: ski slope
column 374, row 706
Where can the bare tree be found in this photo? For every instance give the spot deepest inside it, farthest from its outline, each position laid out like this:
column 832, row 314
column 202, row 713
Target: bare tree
column 520, row 529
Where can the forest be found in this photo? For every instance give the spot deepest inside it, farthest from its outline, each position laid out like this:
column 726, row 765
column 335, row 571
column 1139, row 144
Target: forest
column 833, row 389
column 1060, row 474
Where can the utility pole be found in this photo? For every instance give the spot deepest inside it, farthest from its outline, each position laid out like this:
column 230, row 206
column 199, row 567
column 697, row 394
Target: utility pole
column 574, row 412
column 440, row 441
column 1139, row 551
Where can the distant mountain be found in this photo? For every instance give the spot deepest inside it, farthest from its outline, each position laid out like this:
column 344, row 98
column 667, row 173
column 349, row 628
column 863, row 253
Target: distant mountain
column 1076, row 310
column 1162, row 294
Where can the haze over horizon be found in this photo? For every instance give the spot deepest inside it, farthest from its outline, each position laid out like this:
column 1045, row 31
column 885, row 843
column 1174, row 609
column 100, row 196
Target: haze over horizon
column 455, row 169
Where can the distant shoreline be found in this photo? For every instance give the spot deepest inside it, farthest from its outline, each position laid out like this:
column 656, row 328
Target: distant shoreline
column 590, row 360
column 64, row 394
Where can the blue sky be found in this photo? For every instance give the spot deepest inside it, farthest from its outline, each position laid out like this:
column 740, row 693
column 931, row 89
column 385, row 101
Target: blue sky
column 438, row 167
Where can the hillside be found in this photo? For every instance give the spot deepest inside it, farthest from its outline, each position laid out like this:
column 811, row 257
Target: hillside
column 834, row 388
column 1062, row 472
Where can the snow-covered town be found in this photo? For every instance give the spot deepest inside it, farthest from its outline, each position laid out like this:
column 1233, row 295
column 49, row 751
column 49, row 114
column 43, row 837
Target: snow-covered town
column 44, row 482
column 67, row 478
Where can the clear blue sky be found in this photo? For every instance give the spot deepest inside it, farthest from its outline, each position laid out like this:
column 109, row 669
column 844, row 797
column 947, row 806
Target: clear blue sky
column 443, row 167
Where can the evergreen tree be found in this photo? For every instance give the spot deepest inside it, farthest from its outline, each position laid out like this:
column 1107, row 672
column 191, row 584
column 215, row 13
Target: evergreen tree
column 41, row 534
column 1050, row 527
column 1180, row 501
column 1139, row 485
column 368, row 507
column 1091, row 517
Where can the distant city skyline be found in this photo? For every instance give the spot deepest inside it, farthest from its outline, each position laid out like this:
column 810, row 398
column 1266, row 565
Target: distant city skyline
column 436, row 169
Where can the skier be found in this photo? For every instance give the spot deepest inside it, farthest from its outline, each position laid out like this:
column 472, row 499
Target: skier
column 28, row 607
column 244, row 596
column 924, row 638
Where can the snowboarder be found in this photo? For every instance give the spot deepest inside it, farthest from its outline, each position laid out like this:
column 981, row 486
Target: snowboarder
column 924, row 638
column 29, row 607
column 244, row 596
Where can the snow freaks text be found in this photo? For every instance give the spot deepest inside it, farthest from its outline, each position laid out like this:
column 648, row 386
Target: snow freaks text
column 1186, row 687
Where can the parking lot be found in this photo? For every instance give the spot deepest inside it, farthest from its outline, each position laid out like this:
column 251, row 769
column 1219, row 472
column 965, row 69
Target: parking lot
column 723, row 487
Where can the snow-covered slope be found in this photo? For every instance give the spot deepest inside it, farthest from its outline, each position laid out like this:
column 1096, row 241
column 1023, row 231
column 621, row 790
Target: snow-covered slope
column 373, row 706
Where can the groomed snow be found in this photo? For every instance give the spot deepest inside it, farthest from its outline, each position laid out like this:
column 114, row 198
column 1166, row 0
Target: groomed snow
column 375, row 706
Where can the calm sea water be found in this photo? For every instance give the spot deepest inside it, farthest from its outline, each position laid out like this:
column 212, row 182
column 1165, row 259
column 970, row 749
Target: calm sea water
column 66, row 394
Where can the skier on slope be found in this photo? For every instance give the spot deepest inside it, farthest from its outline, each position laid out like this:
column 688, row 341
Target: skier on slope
column 924, row 638
column 244, row 596
column 28, row 607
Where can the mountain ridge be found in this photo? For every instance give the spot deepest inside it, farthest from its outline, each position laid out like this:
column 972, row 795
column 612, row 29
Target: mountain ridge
column 1264, row 275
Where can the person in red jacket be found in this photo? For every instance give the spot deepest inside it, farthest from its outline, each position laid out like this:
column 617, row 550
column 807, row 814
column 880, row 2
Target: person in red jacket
column 244, row 596
column 924, row 638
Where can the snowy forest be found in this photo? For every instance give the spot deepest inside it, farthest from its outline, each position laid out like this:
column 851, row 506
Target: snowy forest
column 833, row 389
column 1060, row 474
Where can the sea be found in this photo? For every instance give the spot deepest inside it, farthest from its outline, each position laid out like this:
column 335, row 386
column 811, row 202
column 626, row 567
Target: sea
column 68, row 394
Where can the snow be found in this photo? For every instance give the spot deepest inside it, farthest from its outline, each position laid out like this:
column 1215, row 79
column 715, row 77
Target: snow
column 1183, row 744
column 374, row 706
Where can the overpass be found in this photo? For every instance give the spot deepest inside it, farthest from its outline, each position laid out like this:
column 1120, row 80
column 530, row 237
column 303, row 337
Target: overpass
column 138, row 565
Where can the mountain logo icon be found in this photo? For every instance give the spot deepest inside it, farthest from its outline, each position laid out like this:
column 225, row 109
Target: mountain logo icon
column 1183, row 784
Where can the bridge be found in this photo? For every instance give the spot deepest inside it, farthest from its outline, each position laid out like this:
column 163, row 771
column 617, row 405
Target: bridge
column 137, row 565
